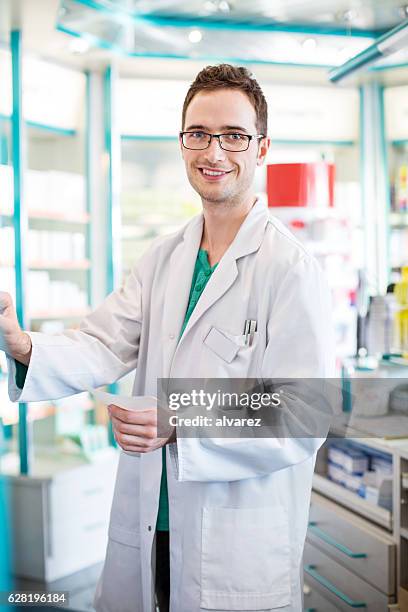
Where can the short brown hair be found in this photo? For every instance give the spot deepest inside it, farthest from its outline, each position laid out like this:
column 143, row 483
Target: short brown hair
column 225, row 76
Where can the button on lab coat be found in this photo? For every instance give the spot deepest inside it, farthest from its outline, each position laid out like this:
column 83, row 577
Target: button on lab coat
column 238, row 509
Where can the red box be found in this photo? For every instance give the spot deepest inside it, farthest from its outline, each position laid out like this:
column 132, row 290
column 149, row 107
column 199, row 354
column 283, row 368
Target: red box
column 307, row 184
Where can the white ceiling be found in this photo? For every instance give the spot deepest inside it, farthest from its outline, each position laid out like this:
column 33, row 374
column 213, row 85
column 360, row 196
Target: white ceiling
column 37, row 19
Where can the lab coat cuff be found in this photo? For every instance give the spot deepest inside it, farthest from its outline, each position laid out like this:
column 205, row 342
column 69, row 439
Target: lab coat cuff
column 15, row 393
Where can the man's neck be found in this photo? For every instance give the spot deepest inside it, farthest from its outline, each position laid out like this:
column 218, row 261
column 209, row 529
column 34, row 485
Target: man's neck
column 221, row 225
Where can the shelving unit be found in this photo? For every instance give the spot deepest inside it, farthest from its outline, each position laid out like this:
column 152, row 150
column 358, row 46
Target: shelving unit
column 348, row 499
column 398, row 217
column 58, row 467
column 334, row 235
column 156, row 197
column 54, row 207
column 386, row 526
column 56, row 251
column 396, row 132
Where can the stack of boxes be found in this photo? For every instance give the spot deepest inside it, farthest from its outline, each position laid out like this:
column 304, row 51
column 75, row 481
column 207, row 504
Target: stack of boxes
column 364, row 471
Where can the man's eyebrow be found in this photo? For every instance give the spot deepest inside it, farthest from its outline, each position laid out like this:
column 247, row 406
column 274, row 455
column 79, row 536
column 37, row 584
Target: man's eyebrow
column 237, row 128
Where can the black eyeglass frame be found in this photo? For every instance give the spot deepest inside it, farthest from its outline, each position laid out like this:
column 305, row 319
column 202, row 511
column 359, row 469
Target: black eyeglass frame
column 218, row 136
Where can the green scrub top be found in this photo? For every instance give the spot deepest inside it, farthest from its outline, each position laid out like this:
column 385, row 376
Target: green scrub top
column 201, row 276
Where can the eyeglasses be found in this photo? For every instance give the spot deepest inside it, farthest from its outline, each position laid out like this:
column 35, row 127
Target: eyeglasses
column 229, row 142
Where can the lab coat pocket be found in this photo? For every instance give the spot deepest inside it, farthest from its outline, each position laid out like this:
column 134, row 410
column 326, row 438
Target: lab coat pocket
column 245, row 558
column 227, row 355
column 221, row 344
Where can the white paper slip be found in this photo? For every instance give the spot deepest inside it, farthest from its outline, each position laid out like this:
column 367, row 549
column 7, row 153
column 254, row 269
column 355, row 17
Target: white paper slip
column 138, row 402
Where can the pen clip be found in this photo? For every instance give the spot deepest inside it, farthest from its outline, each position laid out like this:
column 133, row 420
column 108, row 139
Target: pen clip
column 252, row 330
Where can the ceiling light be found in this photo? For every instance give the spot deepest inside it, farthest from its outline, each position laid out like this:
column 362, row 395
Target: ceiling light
column 217, row 6
column 350, row 15
column 404, row 11
column 195, row 36
column 79, row 46
column 309, row 44
column 210, row 6
column 224, row 6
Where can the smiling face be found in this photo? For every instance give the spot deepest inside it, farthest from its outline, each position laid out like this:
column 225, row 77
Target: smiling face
column 218, row 176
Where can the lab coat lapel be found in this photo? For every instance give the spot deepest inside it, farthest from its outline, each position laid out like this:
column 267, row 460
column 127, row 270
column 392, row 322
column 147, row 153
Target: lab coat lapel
column 220, row 281
column 182, row 264
column 247, row 240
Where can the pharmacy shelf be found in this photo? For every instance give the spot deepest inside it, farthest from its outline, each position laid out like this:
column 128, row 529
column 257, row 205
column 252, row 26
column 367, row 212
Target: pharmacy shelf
column 399, row 220
column 60, row 265
column 351, row 500
column 38, row 411
column 50, row 215
column 51, row 464
column 52, row 265
column 60, row 314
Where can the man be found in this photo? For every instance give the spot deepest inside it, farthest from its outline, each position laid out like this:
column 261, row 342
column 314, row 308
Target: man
column 236, row 509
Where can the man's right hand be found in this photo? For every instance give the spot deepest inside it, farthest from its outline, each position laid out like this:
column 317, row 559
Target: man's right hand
column 13, row 340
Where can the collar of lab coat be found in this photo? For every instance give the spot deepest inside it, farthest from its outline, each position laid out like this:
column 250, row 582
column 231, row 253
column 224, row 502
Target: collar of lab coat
column 248, row 240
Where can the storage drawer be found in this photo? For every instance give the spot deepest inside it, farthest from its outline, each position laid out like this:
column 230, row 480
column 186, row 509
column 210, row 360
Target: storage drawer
column 339, row 586
column 314, row 599
column 85, row 490
column 354, row 542
column 78, row 545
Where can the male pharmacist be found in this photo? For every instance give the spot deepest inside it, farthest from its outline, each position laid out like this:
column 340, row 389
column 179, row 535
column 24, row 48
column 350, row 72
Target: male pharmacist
column 220, row 523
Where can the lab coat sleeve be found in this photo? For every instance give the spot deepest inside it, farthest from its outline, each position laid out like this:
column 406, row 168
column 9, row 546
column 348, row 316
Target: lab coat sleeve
column 299, row 345
column 102, row 350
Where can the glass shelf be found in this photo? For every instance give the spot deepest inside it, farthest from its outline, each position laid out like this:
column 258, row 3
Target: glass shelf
column 354, row 502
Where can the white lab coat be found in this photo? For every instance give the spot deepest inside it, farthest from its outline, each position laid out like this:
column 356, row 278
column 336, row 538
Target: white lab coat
column 238, row 508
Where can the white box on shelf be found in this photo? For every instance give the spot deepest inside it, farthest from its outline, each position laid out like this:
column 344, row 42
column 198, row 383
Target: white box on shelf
column 6, row 189
column 7, row 245
column 78, row 246
column 38, row 286
column 8, row 281
column 349, row 459
column 378, row 489
column 36, row 190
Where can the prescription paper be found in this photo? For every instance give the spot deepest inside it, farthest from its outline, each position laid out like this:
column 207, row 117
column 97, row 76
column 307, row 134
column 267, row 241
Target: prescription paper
column 138, row 402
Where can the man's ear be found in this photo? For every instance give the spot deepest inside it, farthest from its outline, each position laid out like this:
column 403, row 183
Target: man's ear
column 263, row 148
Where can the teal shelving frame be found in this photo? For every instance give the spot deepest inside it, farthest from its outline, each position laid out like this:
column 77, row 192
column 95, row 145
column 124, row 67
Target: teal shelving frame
column 19, row 223
column 112, row 152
